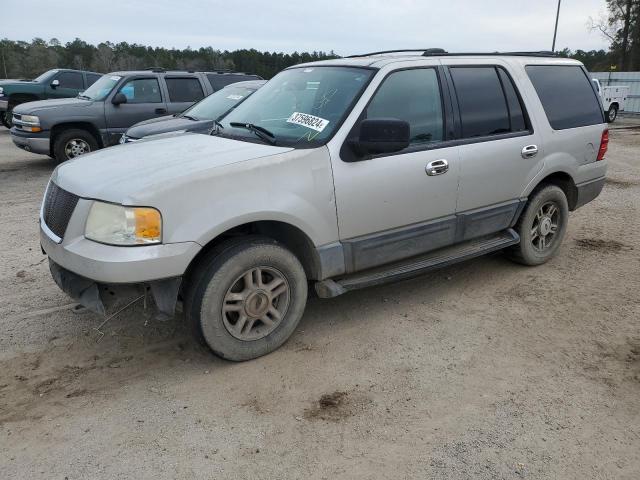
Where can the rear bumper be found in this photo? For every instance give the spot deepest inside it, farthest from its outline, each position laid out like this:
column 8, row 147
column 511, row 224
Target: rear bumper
column 588, row 191
column 31, row 142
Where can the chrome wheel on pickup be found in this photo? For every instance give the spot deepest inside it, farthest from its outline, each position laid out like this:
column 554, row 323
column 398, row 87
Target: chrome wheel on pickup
column 72, row 143
column 76, row 147
column 245, row 297
column 541, row 226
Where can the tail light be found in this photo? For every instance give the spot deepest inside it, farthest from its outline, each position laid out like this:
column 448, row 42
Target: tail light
column 604, row 144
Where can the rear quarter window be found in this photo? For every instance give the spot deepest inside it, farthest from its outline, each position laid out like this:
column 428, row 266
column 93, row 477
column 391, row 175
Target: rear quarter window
column 566, row 94
column 219, row 81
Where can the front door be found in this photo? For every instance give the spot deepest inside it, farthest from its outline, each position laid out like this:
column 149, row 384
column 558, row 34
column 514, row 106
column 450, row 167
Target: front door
column 399, row 205
column 144, row 101
column 65, row 85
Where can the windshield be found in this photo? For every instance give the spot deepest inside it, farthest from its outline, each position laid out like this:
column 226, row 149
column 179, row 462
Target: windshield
column 102, row 87
column 301, row 107
column 45, row 75
column 216, row 105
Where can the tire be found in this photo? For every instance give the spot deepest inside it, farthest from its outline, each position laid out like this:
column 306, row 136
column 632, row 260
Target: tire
column 241, row 319
column 72, row 143
column 539, row 240
column 7, row 117
column 612, row 113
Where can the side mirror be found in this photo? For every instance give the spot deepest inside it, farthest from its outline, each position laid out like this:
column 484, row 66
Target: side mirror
column 381, row 135
column 55, row 83
column 119, row 98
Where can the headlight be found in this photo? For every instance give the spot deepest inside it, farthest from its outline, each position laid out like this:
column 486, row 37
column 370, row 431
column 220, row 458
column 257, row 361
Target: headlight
column 118, row 225
column 30, row 119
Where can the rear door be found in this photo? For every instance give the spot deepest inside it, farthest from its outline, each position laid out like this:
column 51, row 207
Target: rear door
column 144, row 101
column 70, row 84
column 182, row 92
column 500, row 151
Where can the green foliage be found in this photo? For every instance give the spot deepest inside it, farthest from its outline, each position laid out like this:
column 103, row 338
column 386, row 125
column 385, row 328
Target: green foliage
column 20, row 59
column 594, row 60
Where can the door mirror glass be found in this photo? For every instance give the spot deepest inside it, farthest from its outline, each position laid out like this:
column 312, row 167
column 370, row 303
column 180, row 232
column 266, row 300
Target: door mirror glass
column 381, row 135
column 119, row 98
column 55, row 83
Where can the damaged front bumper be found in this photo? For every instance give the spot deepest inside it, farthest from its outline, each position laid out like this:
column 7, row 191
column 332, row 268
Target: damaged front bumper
column 100, row 297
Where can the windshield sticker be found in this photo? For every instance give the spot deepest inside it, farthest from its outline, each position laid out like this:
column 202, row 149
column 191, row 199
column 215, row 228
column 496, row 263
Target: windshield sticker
column 235, row 97
column 310, row 121
column 308, row 70
column 115, row 77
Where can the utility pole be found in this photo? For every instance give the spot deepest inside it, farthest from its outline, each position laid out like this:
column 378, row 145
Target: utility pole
column 555, row 30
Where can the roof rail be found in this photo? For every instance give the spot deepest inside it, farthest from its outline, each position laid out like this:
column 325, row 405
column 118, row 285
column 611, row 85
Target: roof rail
column 439, row 52
column 156, row 69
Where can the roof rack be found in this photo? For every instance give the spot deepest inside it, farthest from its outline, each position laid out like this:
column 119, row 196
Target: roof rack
column 439, row 52
column 156, row 69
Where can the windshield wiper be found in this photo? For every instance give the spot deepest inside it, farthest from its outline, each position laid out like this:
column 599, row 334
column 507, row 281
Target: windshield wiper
column 259, row 131
column 217, row 126
column 84, row 96
column 189, row 117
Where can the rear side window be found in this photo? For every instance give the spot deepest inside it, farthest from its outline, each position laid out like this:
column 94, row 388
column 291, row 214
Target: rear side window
column 92, row 78
column 219, row 81
column 70, row 80
column 184, row 89
column 566, row 94
column 488, row 102
column 413, row 96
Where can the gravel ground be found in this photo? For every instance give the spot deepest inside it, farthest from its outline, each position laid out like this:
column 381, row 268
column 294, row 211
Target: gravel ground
column 484, row 370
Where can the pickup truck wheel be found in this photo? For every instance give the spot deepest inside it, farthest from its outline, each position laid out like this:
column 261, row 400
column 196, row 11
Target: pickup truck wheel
column 612, row 113
column 246, row 299
column 541, row 226
column 7, row 118
column 73, row 143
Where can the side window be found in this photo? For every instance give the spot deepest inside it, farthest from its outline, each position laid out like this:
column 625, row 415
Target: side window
column 92, row 78
column 184, row 89
column 481, row 100
column 70, row 80
column 412, row 96
column 566, row 94
column 516, row 113
column 142, row 90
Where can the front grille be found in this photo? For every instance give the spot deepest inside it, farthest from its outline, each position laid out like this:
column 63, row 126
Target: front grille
column 58, row 208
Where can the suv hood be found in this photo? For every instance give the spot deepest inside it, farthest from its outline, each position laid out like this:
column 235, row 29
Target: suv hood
column 167, row 124
column 136, row 173
column 33, row 107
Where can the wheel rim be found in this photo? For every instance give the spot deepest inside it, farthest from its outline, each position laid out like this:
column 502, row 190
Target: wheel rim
column 76, row 147
column 612, row 114
column 545, row 226
column 256, row 303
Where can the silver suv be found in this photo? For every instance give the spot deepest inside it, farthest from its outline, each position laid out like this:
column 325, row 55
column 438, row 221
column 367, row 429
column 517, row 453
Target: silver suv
column 336, row 175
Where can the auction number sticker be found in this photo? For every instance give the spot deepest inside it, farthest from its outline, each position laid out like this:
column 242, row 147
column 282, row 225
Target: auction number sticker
column 235, row 97
column 310, row 121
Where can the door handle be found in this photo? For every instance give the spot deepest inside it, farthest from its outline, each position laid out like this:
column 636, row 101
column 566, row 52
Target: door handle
column 529, row 151
column 161, row 110
column 437, row 167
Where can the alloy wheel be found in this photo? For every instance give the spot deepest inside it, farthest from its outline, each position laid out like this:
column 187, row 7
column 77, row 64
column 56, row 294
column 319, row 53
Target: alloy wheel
column 76, row 147
column 545, row 226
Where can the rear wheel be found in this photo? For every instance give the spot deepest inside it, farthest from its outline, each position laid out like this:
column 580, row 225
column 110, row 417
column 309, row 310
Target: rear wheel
column 541, row 226
column 612, row 113
column 73, row 143
column 246, row 298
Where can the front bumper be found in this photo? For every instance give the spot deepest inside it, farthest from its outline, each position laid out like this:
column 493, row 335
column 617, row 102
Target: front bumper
column 84, row 269
column 31, row 142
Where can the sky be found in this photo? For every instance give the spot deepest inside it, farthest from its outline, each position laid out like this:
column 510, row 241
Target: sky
column 344, row 26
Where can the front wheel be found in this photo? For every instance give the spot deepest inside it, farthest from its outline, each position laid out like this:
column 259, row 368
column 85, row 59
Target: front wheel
column 73, row 143
column 541, row 226
column 6, row 118
column 612, row 113
column 246, row 298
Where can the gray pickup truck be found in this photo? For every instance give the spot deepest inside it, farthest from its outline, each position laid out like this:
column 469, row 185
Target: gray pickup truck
column 97, row 117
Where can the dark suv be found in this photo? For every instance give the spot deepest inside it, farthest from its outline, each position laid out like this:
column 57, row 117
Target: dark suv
column 58, row 83
column 98, row 117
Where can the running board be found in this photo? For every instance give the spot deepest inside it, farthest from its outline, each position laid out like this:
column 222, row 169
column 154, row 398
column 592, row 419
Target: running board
column 417, row 265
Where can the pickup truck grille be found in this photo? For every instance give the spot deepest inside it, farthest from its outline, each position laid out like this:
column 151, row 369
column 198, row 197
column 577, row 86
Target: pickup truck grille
column 58, row 208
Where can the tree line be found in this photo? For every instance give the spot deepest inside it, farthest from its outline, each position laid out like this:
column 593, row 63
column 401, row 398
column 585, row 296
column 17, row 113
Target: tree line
column 621, row 28
column 19, row 59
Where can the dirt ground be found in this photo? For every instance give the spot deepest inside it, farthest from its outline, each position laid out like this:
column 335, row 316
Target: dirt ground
column 486, row 370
